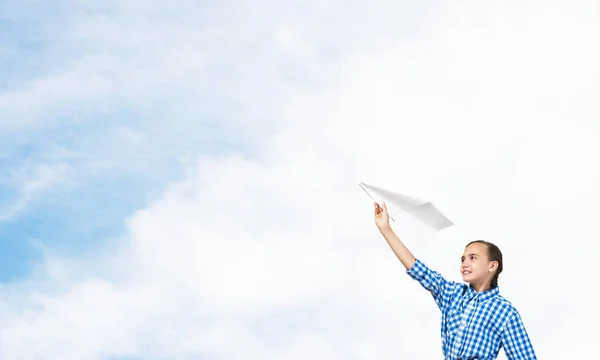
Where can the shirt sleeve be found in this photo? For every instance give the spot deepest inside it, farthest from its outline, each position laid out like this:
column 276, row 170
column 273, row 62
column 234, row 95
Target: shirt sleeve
column 440, row 288
column 515, row 340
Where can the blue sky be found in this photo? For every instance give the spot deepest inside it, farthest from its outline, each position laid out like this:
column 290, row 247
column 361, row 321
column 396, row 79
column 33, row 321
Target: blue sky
column 179, row 180
column 93, row 139
column 52, row 42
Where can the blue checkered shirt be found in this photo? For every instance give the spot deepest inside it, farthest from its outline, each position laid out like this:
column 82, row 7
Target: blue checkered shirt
column 474, row 325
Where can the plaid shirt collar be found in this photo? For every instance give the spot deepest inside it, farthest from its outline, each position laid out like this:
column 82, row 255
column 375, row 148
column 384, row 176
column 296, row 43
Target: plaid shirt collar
column 483, row 296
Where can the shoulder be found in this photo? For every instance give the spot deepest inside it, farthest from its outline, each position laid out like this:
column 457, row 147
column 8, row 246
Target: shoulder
column 506, row 304
column 502, row 303
column 458, row 287
column 505, row 309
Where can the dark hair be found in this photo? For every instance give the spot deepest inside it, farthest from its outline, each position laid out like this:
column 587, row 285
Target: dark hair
column 494, row 254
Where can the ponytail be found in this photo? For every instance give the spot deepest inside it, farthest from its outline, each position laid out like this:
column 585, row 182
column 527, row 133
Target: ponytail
column 494, row 282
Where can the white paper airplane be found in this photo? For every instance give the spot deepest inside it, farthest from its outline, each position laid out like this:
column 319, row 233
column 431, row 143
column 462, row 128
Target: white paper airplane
column 422, row 210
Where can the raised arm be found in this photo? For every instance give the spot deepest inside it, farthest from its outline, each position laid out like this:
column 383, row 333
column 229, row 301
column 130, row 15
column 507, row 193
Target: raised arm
column 440, row 288
column 383, row 223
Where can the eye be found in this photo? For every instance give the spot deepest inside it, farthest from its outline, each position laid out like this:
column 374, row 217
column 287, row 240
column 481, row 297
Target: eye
column 472, row 257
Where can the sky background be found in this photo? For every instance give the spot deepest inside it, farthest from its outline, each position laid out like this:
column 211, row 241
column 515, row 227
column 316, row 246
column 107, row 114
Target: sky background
column 179, row 180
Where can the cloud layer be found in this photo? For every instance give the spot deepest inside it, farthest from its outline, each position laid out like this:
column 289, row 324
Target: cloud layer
column 265, row 248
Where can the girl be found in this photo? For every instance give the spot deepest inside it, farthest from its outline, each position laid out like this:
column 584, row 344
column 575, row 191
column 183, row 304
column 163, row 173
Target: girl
column 476, row 320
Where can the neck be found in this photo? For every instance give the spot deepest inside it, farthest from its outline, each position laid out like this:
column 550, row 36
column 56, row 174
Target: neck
column 481, row 287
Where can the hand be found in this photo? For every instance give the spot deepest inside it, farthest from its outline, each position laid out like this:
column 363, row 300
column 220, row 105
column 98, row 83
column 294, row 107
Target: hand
column 382, row 219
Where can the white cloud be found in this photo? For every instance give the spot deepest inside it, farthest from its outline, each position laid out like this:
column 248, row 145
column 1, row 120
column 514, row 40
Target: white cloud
column 489, row 113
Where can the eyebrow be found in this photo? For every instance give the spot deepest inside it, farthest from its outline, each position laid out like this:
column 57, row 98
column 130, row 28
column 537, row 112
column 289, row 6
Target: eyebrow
column 471, row 254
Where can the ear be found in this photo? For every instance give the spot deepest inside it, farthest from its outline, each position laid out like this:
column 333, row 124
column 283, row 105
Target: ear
column 493, row 266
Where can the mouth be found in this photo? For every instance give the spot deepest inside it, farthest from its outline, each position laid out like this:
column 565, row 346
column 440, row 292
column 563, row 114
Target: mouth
column 466, row 272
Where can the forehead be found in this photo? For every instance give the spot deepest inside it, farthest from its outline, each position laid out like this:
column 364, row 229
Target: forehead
column 477, row 249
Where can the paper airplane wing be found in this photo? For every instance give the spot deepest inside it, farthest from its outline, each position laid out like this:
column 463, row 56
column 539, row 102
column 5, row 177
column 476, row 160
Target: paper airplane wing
column 424, row 211
column 401, row 201
column 431, row 216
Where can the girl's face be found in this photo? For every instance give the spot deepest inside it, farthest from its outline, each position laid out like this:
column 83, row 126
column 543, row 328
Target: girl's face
column 475, row 267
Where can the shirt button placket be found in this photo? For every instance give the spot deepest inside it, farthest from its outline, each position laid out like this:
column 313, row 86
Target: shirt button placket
column 464, row 325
